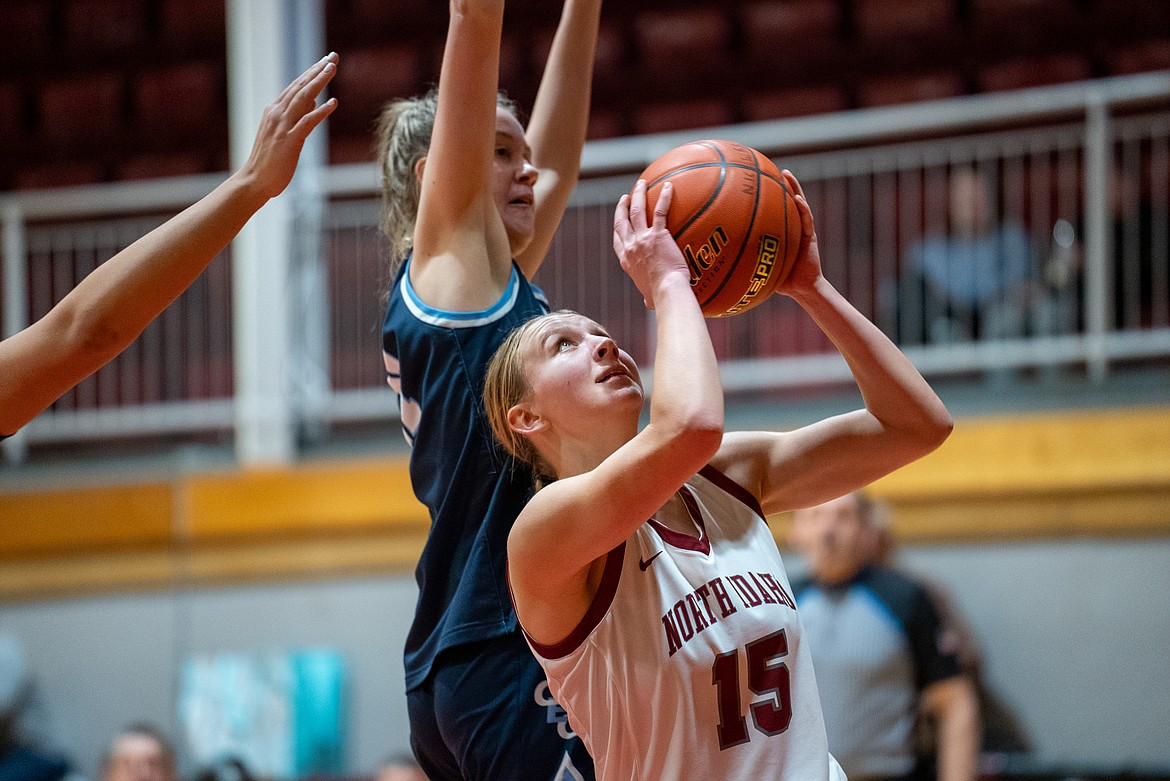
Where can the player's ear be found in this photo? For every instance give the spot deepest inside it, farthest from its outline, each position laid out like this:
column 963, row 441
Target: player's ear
column 419, row 167
column 524, row 421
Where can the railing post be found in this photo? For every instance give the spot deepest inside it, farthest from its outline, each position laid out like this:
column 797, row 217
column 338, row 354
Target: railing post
column 311, row 347
column 14, row 280
column 1098, row 253
column 264, row 53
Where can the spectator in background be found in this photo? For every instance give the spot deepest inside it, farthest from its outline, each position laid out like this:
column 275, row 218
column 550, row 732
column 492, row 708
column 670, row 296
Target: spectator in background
column 975, row 281
column 1003, row 734
column 881, row 652
column 230, row 768
column 1138, row 293
column 1136, row 258
column 27, row 749
column 400, row 767
column 140, row 752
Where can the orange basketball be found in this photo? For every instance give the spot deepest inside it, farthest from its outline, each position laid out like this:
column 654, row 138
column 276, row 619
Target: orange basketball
column 734, row 219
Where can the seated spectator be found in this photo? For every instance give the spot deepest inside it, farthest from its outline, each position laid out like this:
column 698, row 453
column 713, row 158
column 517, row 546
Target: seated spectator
column 881, row 652
column 230, row 768
column 1135, row 261
column 27, row 750
column 977, row 281
column 140, row 752
column 1137, row 294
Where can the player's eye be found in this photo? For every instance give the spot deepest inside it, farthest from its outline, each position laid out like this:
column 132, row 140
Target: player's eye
column 564, row 343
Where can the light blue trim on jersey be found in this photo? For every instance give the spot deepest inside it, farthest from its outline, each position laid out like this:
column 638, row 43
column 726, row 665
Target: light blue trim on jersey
column 882, row 610
column 862, row 593
column 447, row 319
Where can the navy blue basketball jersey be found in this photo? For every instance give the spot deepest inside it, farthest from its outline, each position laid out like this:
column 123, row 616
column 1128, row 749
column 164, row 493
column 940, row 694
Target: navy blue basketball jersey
column 436, row 362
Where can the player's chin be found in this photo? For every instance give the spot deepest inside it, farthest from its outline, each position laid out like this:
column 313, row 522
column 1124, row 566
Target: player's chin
column 625, row 390
column 520, row 224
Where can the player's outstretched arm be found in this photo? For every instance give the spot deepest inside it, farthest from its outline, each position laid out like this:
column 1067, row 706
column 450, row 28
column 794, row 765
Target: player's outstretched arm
column 902, row 421
column 461, row 256
column 111, row 307
column 560, row 120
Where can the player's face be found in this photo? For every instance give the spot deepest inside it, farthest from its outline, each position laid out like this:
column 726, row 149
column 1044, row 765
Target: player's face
column 575, row 371
column 513, row 177
column 834, row 538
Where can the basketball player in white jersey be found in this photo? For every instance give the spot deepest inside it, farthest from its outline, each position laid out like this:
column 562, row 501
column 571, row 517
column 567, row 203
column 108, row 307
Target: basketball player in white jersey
column 643, row 573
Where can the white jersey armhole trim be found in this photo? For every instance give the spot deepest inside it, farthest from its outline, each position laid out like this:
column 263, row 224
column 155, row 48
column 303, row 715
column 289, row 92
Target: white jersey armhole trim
column 594, row 614
column 444, row 318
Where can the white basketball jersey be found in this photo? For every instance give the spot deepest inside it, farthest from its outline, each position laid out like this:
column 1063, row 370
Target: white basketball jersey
column 690, row 662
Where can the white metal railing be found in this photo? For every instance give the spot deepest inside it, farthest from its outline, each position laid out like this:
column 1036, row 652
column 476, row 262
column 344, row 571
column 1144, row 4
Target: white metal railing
column 877, row 180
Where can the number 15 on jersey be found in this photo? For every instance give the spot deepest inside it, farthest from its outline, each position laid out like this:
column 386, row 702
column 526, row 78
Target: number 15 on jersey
column 767, row 677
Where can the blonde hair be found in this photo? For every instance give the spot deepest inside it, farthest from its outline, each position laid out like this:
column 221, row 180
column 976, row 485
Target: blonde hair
column 403, row 136
column 505, row 386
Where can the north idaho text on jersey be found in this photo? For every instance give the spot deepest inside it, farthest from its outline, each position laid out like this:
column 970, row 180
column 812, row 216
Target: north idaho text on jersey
column 693, row 613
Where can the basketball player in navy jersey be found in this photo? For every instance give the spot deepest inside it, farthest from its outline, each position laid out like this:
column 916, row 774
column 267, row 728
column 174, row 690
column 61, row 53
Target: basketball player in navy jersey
column 471, row 202
column 109, row 308
column 644, row 574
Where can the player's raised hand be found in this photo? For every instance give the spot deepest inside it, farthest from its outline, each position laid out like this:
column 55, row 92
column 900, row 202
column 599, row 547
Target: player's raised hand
column 647, row 251
column 807, row 267
column 284, row 126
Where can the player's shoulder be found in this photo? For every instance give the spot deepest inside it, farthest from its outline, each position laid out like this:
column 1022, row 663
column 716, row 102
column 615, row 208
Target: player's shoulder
column 801, row 585
column 894, row 582
column 518, row 300
column 890, row 576
column 905, row 595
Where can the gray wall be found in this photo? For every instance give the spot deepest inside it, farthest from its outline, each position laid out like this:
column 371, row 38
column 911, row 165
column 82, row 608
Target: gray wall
column 101, row 663
column 1076, row 638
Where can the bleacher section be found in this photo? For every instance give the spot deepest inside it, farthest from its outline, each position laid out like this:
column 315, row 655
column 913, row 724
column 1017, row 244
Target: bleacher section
column 108, row 90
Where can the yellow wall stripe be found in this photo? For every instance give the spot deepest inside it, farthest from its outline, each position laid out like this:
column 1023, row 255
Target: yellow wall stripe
column 317, row 498
column 1037, row 476
column 78, row 519
column 1043, row 452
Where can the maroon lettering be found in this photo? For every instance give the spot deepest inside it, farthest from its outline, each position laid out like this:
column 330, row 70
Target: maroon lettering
column 705, row 593
column 749, row 597
column 732, row 728
column 767, row 676
column 763, row 591
column 700, row 622
column 726, row 606
column 773, row 714
column 778, row 590
column 673, row 641
column 683, row 617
